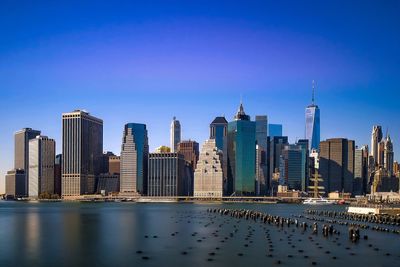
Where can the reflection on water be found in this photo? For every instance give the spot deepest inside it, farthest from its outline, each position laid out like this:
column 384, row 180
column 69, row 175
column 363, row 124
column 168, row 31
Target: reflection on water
column 128, row 234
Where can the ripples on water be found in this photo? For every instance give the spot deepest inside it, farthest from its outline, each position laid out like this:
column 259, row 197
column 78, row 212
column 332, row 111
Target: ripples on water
column 129, row 234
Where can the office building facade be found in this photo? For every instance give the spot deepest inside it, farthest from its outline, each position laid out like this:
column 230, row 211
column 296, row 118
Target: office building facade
column 219, row 132
column 134, row 159
column 21, row 152
column 166, row 175
column 336, row 164
column 313, row 124
column 41, row 166
column 208, row 176
column 175, row 134
column 241, row 154
column 15, row 183
column 261, row 155
column 82, row 150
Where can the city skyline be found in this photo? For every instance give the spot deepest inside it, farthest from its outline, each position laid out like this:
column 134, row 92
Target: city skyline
column 147, row 63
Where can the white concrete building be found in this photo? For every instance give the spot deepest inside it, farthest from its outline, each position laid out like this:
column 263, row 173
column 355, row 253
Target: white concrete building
column 208, row 176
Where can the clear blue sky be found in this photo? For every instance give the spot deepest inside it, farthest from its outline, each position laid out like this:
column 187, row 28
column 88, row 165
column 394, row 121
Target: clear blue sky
column 146, row 61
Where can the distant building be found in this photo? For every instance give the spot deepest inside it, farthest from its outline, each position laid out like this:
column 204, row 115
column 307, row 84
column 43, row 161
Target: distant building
column 313, row 124
column 360, row 171
column 294, row 166
column 15, row 183
column 163, row 149
column 275, row 130
column 388, row 156
column 41, row 166
column 175, row 134
column 277, row 144
column 336, row 164
column 376, row 137
column 21, row 153
column 82, row 150
column 134, row 159
column 105, row 161
column 166, row 175
column 261, row 155
column 208, row 177
column 108, row 183
column 114, row 165
column 382, row 182
column 219, row 132
column 190, row 150
column 241, row 154
column 57, row 175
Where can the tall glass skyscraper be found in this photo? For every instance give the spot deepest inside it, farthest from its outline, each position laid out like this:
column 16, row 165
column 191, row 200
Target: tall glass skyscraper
column 313, row 124
column 261, row 155
column 134, row 159
column 241, row 154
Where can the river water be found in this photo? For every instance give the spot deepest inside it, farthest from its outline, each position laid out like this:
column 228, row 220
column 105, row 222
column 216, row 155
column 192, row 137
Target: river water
column 175, row 234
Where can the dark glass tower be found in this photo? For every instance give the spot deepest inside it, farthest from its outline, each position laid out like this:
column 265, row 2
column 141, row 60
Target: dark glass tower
column 241, row 154
column 134, row 159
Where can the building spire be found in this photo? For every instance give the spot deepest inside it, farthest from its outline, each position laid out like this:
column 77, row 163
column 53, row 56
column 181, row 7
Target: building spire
column 313, row 92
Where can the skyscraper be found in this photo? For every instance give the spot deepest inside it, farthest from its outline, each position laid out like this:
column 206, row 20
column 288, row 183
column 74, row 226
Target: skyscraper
column 336, row 164
column 388, row 156
column 313, row 124
column 294, row 166
column 219, row 132
column 15, row 183
column 208, row 176
column 360, row 170
column 175, row 134
column 190, row 151
column 41, row 165
column 275, row 130
column 82, row 150
column 166, row 176
column 376, row 137
column 57, row 175
column 134, row 159
column 277, row 144
column 241, row 154
column 261, row 155
column 21, row 160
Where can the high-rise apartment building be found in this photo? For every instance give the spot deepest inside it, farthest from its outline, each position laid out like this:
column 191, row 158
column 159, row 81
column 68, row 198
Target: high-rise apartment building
column 241, row 154
column 82, row 150
column 166, row 175
column 21, row 153
column 41, row 166
column 208, row 177
column 261, row 155
column 175, row 134
column 336, row 164
column 313, row 124
column 134, row 159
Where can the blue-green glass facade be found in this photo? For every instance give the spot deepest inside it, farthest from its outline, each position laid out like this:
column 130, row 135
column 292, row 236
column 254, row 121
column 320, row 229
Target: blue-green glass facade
column 140, row 138
column 241, row 157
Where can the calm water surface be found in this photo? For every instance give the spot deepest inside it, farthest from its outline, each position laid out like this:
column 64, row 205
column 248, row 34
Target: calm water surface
column 111, row 234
